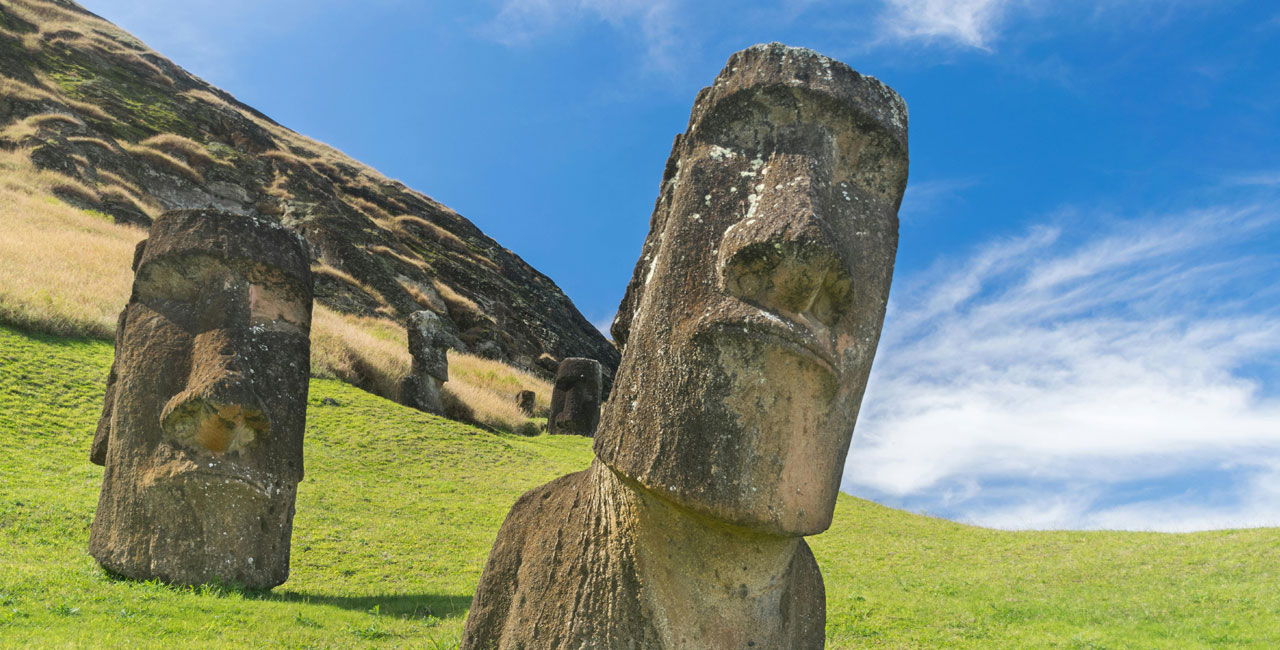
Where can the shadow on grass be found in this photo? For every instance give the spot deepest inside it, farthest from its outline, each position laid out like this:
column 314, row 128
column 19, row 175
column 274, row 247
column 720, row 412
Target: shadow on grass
column 411, row 606
column 414, row 606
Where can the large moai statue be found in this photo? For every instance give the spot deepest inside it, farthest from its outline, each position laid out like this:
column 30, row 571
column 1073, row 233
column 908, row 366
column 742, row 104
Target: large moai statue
column 575, row 398
column 201, row 431
column 429, row 348
column 749, row 328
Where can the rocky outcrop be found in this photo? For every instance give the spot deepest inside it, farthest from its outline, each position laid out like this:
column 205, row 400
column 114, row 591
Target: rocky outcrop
column 201, row 430
column 750, row 325
column 137, row 135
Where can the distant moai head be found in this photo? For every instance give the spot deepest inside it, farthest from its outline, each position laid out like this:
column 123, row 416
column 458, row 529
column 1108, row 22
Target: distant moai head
column 753, row 315
column 575, row 399
column 429, row 345
column 202, row 431
column 429, row 349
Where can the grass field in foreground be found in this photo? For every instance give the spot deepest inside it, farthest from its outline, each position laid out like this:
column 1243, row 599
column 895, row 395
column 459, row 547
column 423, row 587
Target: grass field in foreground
column 398, row 511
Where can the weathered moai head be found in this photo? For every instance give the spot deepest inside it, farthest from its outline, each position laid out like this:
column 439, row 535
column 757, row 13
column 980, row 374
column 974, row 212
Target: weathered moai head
column 754, row 312
column 525, row 401
column 429, row 348
column 201, row 433
column 575, row 399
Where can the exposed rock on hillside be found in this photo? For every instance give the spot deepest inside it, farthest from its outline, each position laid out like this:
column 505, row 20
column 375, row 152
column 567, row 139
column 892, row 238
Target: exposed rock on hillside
column 136, row 135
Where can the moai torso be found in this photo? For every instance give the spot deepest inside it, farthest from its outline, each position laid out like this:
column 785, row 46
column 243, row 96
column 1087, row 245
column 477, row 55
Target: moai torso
column 201, row 433
column 748, row 331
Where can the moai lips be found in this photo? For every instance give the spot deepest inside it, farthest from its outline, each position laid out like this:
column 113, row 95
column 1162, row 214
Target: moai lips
column 201, row 433
column 748, row 327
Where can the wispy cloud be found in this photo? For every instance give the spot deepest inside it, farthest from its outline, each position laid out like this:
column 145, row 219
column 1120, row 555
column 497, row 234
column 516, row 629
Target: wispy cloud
column 972, row 23
column 924, row 198
column 1053, row 380
column 1263, row 179
column 520, row 22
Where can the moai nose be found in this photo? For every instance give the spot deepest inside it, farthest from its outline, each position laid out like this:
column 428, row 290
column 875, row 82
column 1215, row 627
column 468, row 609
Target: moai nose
column 218, row 411
column 782, row 256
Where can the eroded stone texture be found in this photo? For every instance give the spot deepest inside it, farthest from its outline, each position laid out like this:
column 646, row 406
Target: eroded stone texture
column 525, row 401
column 749, row 328
column 575, row 399
column 429, row 343
column 201, row 431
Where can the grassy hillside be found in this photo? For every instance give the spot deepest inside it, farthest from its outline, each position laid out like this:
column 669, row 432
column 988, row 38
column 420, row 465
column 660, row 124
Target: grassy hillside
column 398, row 510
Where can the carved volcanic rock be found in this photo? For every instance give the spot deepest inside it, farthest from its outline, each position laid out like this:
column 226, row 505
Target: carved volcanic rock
column 575, row 399
column 145, row 136
column 750, row 325
column 428, row 346
column 201, row 431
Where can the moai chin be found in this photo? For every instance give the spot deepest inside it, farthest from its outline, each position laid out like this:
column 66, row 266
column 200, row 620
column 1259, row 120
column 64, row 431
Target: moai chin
column 575, row 398
column 201, row 431
column 428, row 347
column 749, row 328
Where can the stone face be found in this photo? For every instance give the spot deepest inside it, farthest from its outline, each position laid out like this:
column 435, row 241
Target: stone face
column 525, row 400
column 201, row 432
column 749, row 328
column 429, row 343
column 575, row 400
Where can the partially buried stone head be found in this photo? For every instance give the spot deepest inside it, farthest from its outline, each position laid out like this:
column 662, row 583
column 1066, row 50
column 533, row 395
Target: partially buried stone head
column 201, row 432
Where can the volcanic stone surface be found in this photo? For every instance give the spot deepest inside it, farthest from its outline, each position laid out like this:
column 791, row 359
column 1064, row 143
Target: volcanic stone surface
column 575, row 399
column 749, row 328
column 525, row 401
column 428, row 347
column 201, row 431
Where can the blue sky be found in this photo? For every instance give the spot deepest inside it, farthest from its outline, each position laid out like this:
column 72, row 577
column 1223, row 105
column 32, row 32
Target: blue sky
column 1084, row 330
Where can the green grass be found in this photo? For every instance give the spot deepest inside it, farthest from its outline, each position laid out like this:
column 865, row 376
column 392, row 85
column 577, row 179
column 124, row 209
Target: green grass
column 398, row 511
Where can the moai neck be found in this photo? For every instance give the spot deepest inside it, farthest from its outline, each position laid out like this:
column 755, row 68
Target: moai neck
column 706, row 584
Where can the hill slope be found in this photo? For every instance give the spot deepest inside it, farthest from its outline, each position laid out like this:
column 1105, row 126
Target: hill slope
column 398, row 511
column 130, row 134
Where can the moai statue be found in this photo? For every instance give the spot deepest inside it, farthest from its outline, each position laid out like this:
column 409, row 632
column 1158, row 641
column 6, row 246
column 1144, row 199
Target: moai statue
column 525, row 401
column 748, row 329
column 429, row 347
column 201, row 431
column 575, row 399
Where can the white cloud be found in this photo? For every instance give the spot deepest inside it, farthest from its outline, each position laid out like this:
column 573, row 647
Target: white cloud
column 967, row 22
column 1028, row 384
column 521, row 21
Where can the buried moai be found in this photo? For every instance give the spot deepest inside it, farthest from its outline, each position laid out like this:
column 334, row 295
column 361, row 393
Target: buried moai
column 526, row 401
column 575, row 398
column 201, row 431
column 428, row 347
column 749, row 328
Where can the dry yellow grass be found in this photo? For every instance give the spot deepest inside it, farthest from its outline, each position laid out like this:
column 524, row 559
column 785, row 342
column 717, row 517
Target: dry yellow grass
column 164, row 160
column 454, row 299
column 391, row 252
column 173, row 143
column 97, row 142
column 369, row 208
column 62, row 270
column 374, row 353
column 347, row 278
column 10, row 87
column 406, row 224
